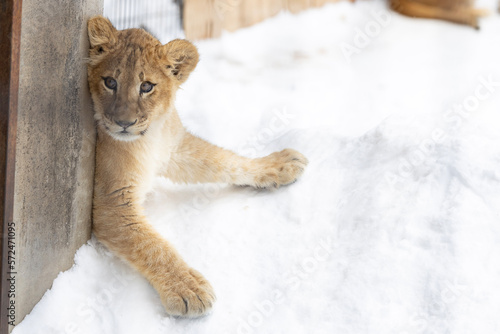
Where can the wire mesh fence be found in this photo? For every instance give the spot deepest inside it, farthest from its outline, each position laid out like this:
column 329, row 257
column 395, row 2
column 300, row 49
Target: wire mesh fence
column 162, row 18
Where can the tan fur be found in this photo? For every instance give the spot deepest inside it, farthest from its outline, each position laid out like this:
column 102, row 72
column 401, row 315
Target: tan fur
column 457, row 11
column 157, row 144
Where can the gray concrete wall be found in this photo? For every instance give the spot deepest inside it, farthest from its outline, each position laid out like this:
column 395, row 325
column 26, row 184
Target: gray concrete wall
column 55, row 144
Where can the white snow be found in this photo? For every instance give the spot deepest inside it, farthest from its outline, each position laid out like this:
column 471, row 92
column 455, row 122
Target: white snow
column 394, row 227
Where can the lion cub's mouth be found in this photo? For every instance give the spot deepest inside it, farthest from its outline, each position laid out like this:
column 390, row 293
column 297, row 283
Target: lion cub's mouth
column 127, row 134
column 124, row 135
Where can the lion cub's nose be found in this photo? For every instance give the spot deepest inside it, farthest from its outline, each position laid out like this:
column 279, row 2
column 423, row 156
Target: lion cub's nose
column 125, row 124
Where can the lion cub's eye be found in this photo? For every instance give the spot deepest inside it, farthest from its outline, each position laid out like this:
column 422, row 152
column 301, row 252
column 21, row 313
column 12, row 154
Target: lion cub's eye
column 146, row 87
column 110, row 83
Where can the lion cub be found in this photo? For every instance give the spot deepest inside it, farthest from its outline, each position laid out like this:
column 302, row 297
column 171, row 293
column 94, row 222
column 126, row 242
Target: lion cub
column 133, row 79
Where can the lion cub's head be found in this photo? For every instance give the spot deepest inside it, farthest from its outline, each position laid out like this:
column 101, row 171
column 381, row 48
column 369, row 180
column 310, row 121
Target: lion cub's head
column 133, row 77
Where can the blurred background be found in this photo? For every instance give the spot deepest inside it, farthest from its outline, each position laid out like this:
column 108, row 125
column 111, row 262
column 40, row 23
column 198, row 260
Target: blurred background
column 198, row 19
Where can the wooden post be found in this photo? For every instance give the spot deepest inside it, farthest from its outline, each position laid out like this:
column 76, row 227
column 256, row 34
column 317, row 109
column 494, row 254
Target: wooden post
column 10, row 35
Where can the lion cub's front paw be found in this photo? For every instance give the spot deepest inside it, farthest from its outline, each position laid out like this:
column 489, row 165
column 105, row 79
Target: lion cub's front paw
column 187, row 294
column 280, row 168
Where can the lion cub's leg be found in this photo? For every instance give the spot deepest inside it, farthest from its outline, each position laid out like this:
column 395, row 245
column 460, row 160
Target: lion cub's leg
column 119, row 226
column 196, row 160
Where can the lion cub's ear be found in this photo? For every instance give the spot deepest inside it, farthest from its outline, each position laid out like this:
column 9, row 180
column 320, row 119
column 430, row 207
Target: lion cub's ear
column 179, row 58
column 102, row 34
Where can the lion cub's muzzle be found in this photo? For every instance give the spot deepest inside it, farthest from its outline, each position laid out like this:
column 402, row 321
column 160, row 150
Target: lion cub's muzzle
column 125, row 129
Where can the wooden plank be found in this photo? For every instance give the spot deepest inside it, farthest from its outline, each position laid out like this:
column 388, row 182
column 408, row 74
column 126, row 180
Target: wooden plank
column 207, row 18
column 10, row 34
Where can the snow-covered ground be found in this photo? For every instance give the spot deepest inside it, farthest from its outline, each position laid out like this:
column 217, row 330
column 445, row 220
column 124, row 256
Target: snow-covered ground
column 394, row 227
